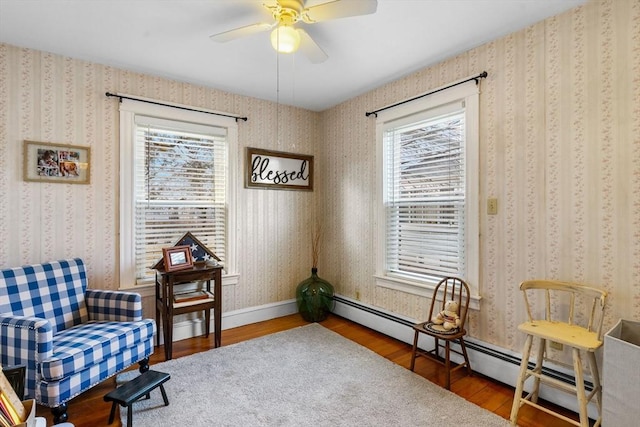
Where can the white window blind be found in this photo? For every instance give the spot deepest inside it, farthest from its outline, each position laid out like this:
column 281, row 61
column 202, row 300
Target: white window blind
column 424, row 180
column 180, row 172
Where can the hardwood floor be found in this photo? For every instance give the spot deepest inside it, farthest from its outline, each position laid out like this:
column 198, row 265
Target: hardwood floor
column 90, row 410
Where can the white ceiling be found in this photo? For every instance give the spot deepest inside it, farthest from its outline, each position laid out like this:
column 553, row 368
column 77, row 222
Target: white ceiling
column 170, row 38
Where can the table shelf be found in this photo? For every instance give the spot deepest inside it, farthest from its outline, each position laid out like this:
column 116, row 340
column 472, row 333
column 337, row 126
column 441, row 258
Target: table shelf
column 167, row 308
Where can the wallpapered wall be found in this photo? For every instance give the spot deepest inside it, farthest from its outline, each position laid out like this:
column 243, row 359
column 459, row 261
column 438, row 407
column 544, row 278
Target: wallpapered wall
column 560, row 149
column 45, row 97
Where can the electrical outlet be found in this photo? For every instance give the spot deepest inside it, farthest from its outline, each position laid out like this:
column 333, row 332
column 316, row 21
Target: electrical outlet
column 556, row 345
column 492, row 206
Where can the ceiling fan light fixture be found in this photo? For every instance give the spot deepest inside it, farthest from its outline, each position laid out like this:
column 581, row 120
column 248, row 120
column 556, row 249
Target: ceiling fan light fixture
column 285, row 39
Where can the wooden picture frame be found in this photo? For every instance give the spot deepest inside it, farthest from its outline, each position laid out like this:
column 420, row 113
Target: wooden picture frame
column 16, row 376
column 278, row 170
column 47, row 162
column 177, row 258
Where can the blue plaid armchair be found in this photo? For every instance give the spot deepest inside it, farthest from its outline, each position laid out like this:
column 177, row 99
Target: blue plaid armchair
column 69, row 337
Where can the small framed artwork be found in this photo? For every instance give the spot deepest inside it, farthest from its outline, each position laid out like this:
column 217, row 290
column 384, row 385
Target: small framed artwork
column 47, row 162
column 279, row 170
column 15, row 375
column 177, row 258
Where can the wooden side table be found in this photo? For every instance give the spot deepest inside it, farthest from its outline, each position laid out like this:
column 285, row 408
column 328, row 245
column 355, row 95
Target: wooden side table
column 166, row 307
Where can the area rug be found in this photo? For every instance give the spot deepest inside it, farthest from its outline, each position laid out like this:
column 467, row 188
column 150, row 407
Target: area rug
column 307, row 376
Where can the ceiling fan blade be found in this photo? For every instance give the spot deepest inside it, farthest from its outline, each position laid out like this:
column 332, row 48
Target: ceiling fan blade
column 338, row 9
column 310, row 48
column 241, row 32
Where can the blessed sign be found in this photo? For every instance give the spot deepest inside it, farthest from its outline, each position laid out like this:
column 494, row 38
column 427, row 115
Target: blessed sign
column 275, row 169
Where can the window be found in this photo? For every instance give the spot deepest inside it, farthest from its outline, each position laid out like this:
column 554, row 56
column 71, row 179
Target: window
column 175, row 178
column 427, row 214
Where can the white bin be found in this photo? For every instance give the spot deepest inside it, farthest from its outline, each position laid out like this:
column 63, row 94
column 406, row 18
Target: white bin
column 621, row 375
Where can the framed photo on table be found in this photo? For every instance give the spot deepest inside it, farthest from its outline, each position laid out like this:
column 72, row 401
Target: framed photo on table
column 47, row 162
column 177, row 258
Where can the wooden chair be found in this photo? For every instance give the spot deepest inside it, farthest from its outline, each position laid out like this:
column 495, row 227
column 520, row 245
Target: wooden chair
column 580, row 335
column 448, row 289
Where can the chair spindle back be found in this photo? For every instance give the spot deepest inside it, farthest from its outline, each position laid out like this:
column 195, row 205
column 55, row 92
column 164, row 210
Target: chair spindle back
column 451, row 289
column 589, row 296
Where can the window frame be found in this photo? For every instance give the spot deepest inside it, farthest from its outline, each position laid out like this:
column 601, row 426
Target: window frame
column 128, row 110
column 469, row 94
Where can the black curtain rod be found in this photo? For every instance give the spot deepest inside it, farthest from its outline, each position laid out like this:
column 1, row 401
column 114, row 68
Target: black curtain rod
column 477, row 78
column 175, row 106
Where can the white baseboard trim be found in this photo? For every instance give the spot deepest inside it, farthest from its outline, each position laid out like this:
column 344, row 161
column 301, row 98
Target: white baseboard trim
column 495, row 362
column 246, row 316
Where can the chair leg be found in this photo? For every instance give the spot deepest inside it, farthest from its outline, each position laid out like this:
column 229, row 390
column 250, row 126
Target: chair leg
column 520, row 382
column 580, row 391
column 447, row 364
column 60, row 414
column 413, row 352
column 466, row 357
column 164, row 395
column 596, row 384
column 130, row 416
column 112, row 414
column 538, row 370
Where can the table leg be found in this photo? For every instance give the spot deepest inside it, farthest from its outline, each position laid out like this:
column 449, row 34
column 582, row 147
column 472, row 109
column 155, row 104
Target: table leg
column 164, row 395
column 113, row 412
column 168, row 343
column 207, row 322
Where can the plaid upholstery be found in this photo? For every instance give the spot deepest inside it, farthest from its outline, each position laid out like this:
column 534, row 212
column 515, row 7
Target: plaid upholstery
column 52, row 291
column 114, row 306
column 69, row 338
column 52, row 393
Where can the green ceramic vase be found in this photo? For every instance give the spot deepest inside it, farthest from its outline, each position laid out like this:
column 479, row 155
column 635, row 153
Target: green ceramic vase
column 315, row 298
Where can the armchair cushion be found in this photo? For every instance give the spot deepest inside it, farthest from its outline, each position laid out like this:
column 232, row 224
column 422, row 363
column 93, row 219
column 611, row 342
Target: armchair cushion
column 88, row 344
column 69, row 337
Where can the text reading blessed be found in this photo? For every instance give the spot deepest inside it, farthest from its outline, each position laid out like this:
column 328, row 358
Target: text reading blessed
column 279, row 170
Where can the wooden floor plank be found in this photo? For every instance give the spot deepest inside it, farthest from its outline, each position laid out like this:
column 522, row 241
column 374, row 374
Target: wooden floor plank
column 90, row 410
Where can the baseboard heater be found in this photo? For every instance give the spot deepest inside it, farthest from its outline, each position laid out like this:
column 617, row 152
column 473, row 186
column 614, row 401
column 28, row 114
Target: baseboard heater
column 492, row 362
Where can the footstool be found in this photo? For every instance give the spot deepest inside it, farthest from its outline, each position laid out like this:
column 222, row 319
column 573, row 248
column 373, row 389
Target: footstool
column 132, row 391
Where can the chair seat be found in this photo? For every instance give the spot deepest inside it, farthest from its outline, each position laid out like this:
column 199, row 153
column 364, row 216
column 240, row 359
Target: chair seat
column 563, row 333
column 451, row 335
column 82, row 346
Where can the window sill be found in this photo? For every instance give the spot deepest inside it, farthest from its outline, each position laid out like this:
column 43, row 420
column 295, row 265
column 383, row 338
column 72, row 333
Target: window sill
column 148, row 289
column 423, row 289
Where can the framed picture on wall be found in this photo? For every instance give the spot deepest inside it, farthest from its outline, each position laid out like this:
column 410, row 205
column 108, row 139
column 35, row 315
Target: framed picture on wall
column 278, row 170
column 47, row 162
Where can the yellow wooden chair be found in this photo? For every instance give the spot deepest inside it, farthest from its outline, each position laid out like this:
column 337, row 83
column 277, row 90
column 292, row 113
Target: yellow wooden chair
column 584, row 335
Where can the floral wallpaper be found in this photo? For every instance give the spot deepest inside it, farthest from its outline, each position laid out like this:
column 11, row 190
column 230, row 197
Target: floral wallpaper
column 560, row 150
column 50, row 98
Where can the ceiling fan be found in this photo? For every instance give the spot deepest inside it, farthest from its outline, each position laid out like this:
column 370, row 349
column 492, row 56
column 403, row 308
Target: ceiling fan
column 286, row 37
